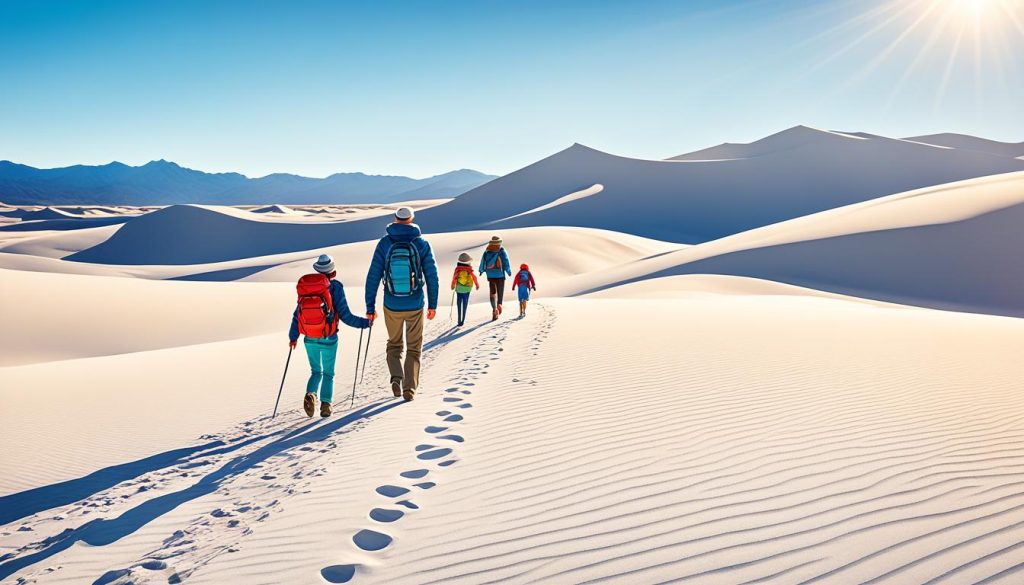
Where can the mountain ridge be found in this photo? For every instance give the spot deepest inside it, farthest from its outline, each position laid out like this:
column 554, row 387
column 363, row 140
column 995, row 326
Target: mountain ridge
column 163, row 182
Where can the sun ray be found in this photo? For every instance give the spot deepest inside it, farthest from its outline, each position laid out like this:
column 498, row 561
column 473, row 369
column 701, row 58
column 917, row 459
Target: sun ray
column 933, row 38
column 878, row 27
column 940, row 95
column 882, row 56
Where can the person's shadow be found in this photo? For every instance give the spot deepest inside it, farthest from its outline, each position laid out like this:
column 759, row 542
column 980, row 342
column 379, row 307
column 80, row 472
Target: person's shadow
column 101, row 532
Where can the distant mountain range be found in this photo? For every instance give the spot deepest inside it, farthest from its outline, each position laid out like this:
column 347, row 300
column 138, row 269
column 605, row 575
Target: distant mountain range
column 162, row 182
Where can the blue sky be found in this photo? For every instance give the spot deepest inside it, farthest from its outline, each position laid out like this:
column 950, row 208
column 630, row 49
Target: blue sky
column 419, row 88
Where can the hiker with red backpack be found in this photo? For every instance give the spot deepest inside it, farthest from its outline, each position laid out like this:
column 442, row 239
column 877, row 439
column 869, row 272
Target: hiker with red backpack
column 524, row 279
column 495, row 263
column 320, row 307
column 404, row 262
column 463, row 282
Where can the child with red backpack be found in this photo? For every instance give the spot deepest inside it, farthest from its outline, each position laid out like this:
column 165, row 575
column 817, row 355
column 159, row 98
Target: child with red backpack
column 321, row 305
column 463, row 282
column 524, row 279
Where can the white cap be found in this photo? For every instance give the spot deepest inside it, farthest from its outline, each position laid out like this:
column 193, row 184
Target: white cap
column 404, row 213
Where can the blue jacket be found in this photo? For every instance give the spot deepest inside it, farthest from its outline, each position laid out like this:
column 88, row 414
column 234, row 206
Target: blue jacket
column 340, row 309
column 402, row 232
column 492, row 273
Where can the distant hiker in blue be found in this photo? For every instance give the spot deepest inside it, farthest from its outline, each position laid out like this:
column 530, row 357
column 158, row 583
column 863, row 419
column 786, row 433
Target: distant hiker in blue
column 320, row 307
column 495, row 263
column 403, row 260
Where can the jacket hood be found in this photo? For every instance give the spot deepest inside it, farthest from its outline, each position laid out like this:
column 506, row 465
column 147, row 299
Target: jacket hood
column 403, row 231
column 524, row 267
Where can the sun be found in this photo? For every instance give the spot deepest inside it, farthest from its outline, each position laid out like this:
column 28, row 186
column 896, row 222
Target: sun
column 971, row 8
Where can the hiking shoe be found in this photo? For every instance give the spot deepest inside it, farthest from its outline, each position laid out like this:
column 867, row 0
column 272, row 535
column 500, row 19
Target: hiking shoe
column 396, row 388
column 325, row 409
column 309, row 403
column 499, row 309
column 408, row 395
column 494, row 315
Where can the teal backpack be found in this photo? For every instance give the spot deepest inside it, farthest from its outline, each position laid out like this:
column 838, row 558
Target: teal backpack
column 403, row 275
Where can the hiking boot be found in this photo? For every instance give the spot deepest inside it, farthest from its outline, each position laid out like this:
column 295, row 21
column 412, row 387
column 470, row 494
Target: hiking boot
column 494, row 315
column 408, row 395
column 499, row 309
column 309, row 403
column 396, row 388
column 325, row 409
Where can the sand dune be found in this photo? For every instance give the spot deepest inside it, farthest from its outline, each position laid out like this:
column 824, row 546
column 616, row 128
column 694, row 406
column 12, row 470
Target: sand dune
column 849, row 443
column 280, row 209
column 802, row 171
column 922, row 248
column 965, row 142
column 756, row 408
column 75, row 316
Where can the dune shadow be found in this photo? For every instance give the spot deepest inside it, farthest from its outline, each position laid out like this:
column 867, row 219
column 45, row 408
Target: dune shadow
column 102, row 531
column 444, row 338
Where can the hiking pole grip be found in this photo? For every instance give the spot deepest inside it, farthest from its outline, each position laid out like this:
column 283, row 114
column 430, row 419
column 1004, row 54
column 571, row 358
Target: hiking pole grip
column 355, row 371
column 366, row 354
column 286, row 362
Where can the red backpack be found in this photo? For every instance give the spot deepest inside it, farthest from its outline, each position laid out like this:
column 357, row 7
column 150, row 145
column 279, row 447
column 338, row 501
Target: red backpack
column 316, row 308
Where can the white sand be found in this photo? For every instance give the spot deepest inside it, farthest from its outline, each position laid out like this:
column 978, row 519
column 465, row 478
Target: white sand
column 664, row 426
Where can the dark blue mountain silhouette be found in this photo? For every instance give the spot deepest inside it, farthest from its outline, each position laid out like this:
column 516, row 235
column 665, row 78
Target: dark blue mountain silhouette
column 162, row 182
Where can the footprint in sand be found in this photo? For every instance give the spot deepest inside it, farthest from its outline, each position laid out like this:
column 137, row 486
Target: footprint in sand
column 371, row 540
column 435, row 454
column 426, row 485
column 452, row 399
column 392, row 491
column 443, row 412
column 384, row 515
column 466, row 405
column 466, row 392
column 446, row 463
column 456, row 438
column 408, row 504
column 338, row 573
column 453, row 418
column 424, row 447
column 433, row 429
column 451, row 389
column 414, row 474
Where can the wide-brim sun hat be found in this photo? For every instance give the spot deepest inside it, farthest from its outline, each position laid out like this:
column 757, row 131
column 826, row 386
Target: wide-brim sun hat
column 404, row 213
column 324, row 264
column 495, row 241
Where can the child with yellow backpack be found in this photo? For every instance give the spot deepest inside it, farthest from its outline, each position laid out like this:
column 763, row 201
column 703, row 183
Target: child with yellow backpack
column 463, row 282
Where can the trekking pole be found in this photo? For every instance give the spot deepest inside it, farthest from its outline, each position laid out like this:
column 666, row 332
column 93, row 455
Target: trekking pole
column 366, row 354
column 286, row 362
column 355, row 372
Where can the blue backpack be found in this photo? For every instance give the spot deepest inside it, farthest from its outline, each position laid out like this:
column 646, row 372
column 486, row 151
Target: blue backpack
column 403, row 275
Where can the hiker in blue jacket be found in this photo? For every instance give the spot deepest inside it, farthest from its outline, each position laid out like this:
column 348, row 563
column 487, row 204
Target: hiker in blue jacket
column 494, row 262
column 403, row 260
column 323, row 351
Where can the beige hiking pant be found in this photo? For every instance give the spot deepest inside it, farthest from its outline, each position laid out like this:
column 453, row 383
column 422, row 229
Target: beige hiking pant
column 409, row 323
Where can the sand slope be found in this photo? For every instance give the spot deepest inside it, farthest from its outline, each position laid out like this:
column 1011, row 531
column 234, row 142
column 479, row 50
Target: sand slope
column 923, row 247
column 848, row 443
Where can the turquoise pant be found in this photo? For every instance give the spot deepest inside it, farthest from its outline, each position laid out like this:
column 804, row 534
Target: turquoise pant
column 322, row 354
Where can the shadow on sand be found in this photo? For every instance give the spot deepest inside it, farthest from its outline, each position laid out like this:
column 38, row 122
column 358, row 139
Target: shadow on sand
column 101, row 532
